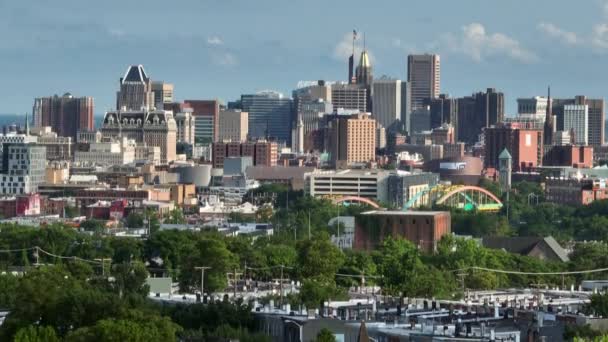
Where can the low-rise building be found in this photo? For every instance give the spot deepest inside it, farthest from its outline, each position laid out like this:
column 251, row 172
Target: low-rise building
column 575, row 191
column 370, row 184
column 404, row 186
column 422, row 228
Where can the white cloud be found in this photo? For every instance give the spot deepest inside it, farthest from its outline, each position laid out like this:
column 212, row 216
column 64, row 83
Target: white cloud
column 567, row 37
column 599, row 37
column 476, row 43
column 344, row 49
column 116, row 32
column 225, row 59
column 215, row 40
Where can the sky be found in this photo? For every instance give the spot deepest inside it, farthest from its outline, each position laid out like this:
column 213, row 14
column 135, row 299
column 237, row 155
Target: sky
column 224, row 48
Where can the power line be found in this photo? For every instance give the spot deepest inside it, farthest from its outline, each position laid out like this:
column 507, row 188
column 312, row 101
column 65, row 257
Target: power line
column 530, row 273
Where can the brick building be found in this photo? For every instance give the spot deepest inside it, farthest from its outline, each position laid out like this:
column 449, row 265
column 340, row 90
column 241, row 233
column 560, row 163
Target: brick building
column 574, row 191
column 263, row 153
column 568, row 155
column 524, row 145
column 422, row 228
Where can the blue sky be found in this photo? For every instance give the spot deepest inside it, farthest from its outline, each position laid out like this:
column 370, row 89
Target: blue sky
column 224, row 48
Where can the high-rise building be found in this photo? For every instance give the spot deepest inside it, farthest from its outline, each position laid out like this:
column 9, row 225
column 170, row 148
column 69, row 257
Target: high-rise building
column 596, row 117
column 185, row 123
column 207, row 123
column 477, row 112
column 150, row 127
column 406, row 105
column 444, row 110
column 234, row 125
column 524, row 145
column 135, row 90
column 420, row 120
column 576, row 121
column 349, row 96
column 351, row 139
column 386, row 102
column 424, row 74
column 549, row 126
column 312, row 115
column 270, row 115
column 364, row 71
column 66, row 115
column 163, row 93
column 23, row 168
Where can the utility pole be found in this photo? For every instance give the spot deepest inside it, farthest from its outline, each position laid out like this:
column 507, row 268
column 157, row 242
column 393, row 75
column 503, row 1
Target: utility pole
column 281, row 283
column 308, row 224
column 235, row 275
column 103, row 264
column 202, row 268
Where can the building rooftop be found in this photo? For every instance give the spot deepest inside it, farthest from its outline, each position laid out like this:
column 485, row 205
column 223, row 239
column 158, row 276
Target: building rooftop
column 403, row 213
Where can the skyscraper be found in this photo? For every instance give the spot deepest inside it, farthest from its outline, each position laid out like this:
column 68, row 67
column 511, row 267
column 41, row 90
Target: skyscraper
column 406, row 105
column 163, row 93
column 444, row 110
column 423, row 73
column 135, row 90
column 576, row 122
column 234, row 125
column 549, row 127
column 66, row 115
column 596, row 117
column 349, row 96
column 364, row 72
column 270, row 115
column 207, row 124
column 386, row 102
column 351, row 139
column 478, row 111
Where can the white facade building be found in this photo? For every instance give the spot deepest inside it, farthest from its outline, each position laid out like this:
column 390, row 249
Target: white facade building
column 370, row 184
column 186, row 124
column 107, row 153
column 234, row 125
column 576, row 120
column 24, row 170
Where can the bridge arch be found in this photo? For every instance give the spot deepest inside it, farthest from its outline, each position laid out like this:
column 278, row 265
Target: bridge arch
column 356, row 199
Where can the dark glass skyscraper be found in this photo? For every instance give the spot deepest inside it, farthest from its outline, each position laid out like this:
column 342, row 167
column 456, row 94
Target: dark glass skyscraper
column 270, row 115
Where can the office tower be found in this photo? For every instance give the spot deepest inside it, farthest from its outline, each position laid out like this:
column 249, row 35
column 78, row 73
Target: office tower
column 311, row 93
column 351, row 139
column 535, row 107
column 380, row 136
column 207, row 122
column 298, row 139
column 66, row 115
column 423, row 73
column 549, row 127
column 23, row 168
column 386, row 102
column 163, row 93
column 524, row 145
column 477, row 112
column 313, row 115
column 596, row 117
column 420, row 120
column 135, row 90
column 364, row 72
column 149, row 127
column 444, row 110
column 234, row 125
column 406, row 105
column 576, row 121
column 185, row 123
column 349, row 96
column 270, row 115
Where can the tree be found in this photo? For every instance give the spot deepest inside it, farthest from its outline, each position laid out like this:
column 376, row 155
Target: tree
column 325, row 335
column 208, row 251
column 36, row 333
column 135, row 220
column 598, row 305
column 399, row 264
column 317, row 290
column 93, row 225
column 319, row 258
column 176, row 216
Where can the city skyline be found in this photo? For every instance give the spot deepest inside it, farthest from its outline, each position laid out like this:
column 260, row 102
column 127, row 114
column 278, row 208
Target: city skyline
column 72, row 47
